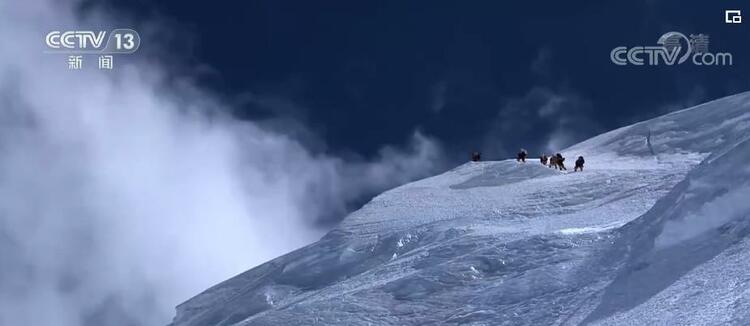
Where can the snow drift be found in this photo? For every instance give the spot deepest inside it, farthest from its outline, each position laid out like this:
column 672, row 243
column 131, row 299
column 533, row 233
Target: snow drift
column 654, row 231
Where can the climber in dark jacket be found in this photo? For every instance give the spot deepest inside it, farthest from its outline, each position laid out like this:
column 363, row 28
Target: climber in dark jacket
column 579, row 164
column 476, row 157
column 544, row 159
column 560, row 159
column 522, row 156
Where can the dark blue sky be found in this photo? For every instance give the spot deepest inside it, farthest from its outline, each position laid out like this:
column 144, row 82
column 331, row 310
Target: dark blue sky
column 475, row 74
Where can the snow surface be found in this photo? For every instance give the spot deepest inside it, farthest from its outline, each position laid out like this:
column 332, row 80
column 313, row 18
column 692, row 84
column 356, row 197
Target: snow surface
column 655, row 231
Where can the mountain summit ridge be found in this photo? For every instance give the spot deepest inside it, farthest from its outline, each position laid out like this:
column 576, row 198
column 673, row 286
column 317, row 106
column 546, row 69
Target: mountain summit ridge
column 495, row 243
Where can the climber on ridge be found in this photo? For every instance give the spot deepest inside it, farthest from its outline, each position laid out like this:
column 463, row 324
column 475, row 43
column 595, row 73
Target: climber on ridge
column 579, row 164
column 559, row 159
column 522, row 156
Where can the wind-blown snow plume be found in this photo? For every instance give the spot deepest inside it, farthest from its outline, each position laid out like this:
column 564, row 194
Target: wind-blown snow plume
column 562, row 116
column 121, row 195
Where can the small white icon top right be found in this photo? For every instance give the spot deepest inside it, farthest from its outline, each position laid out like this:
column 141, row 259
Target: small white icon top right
column 733, row 16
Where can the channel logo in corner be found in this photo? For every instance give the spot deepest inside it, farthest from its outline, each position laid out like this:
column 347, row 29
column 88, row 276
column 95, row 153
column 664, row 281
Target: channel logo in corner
column 672, row 48
column 77, row 44
column 119, row 41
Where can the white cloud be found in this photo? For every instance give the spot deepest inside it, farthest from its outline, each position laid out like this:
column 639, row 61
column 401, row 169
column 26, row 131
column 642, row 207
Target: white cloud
column 543, row 120
column 541, row 65
column 122, row 194
column 438, row 96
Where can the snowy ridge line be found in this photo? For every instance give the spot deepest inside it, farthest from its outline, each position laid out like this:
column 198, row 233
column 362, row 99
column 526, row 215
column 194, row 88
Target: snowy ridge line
column 502, row 243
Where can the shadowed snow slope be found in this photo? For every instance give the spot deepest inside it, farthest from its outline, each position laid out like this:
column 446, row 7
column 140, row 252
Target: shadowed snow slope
column 654, row 231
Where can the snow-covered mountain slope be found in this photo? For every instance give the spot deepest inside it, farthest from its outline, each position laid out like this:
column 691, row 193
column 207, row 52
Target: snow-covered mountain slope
column 654, row 231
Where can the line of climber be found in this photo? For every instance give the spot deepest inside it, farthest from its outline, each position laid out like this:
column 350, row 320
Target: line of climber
column 556, row 161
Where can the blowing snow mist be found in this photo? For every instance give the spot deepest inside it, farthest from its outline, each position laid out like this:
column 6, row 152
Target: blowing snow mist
column 122, row 194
